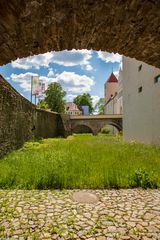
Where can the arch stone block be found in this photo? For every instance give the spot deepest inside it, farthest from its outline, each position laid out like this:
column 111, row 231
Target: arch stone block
column 31, row 27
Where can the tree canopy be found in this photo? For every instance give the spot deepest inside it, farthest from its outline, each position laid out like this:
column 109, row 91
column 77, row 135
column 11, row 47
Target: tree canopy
column 84, row 99
column 100, row 106
column 54, row 98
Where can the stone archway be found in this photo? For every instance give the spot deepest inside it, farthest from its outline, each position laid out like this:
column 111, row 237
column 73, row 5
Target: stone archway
column 31, row 27
column 82, row 128
column 116, row 125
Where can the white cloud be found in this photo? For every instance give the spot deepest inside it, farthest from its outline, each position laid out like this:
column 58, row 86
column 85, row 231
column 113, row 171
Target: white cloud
column 51, row 73
column 70, row 97
column 116, row 73
column 109, row 57
column 24, row 80
column 95, row 99
column 87, row 67
column 37, row 61
column 71, row 82
column 65, row 58
column 72, row 58
column 74, row 83
column 47, row 80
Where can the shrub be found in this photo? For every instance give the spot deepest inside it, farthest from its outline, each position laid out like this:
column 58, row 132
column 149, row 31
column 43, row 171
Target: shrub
column 105, row 130
column 141, row 178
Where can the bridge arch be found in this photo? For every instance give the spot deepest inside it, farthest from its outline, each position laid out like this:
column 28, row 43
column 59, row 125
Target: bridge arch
column 82, row 128
column 103, row 124
column 116, row 125
column 33, row 27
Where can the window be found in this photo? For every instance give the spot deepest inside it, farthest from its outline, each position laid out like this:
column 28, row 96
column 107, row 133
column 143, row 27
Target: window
column 140, row 89
column 157, row 79
column 140, row 68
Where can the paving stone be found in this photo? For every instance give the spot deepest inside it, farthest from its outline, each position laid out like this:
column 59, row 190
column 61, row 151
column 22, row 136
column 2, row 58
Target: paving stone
column 85, row 197
column 112, row 229
column 116, row 214
column 125, row 238
column 101, row 238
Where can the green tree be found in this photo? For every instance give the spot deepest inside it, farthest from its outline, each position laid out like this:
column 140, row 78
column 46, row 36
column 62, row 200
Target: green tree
column 100, row 106
column 54, row 97
column 84, row 100
column 42, row 104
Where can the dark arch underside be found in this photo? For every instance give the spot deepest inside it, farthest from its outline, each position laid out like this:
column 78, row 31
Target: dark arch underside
column 31, row 27
column 82, row 129
column 110, row 125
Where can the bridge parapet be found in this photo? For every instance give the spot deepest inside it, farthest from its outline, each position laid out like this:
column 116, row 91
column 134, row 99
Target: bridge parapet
column 108, row 116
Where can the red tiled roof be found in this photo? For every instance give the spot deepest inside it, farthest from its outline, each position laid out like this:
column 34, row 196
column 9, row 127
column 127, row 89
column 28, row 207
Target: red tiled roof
column 70, row 106
column 112, row 78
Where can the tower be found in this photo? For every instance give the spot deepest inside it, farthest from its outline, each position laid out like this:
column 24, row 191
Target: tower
column 110, row 87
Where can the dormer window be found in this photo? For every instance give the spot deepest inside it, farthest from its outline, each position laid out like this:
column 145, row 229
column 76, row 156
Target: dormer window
column 157, row 79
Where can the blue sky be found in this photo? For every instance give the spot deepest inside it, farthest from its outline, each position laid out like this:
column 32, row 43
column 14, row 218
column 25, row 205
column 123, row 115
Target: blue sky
column 78, row 71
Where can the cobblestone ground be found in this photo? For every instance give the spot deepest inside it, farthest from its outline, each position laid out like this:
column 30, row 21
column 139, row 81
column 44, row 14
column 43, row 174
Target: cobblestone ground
column 119, row 214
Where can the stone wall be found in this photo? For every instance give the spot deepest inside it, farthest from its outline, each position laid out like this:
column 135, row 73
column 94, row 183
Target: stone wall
column 129, row 27
column 21, row 121
column 46, row 124
column 64, row 125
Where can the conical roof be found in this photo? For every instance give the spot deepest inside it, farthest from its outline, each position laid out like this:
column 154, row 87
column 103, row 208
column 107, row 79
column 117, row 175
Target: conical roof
column 112, row 78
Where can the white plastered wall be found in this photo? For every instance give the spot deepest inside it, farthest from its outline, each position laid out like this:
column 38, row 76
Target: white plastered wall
column 141, row 117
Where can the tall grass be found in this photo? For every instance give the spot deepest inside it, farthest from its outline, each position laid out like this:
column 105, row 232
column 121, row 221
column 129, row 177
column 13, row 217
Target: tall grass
column 80, row 161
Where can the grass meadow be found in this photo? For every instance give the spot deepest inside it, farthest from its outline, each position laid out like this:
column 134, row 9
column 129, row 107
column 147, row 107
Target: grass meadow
column 81, row 161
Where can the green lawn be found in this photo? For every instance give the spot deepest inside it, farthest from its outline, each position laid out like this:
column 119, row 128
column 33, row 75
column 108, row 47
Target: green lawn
column 81, row 161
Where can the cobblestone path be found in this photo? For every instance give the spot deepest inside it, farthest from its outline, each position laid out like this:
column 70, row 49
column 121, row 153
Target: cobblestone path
column 118, row 214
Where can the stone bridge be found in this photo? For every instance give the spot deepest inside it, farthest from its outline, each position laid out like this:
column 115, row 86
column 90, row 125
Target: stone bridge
column 96, row 122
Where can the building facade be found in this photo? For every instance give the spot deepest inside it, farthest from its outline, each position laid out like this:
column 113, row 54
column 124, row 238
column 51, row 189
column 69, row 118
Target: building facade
column 113, row 94
column 113, row 97
column 72, row 109
column 141, row 97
